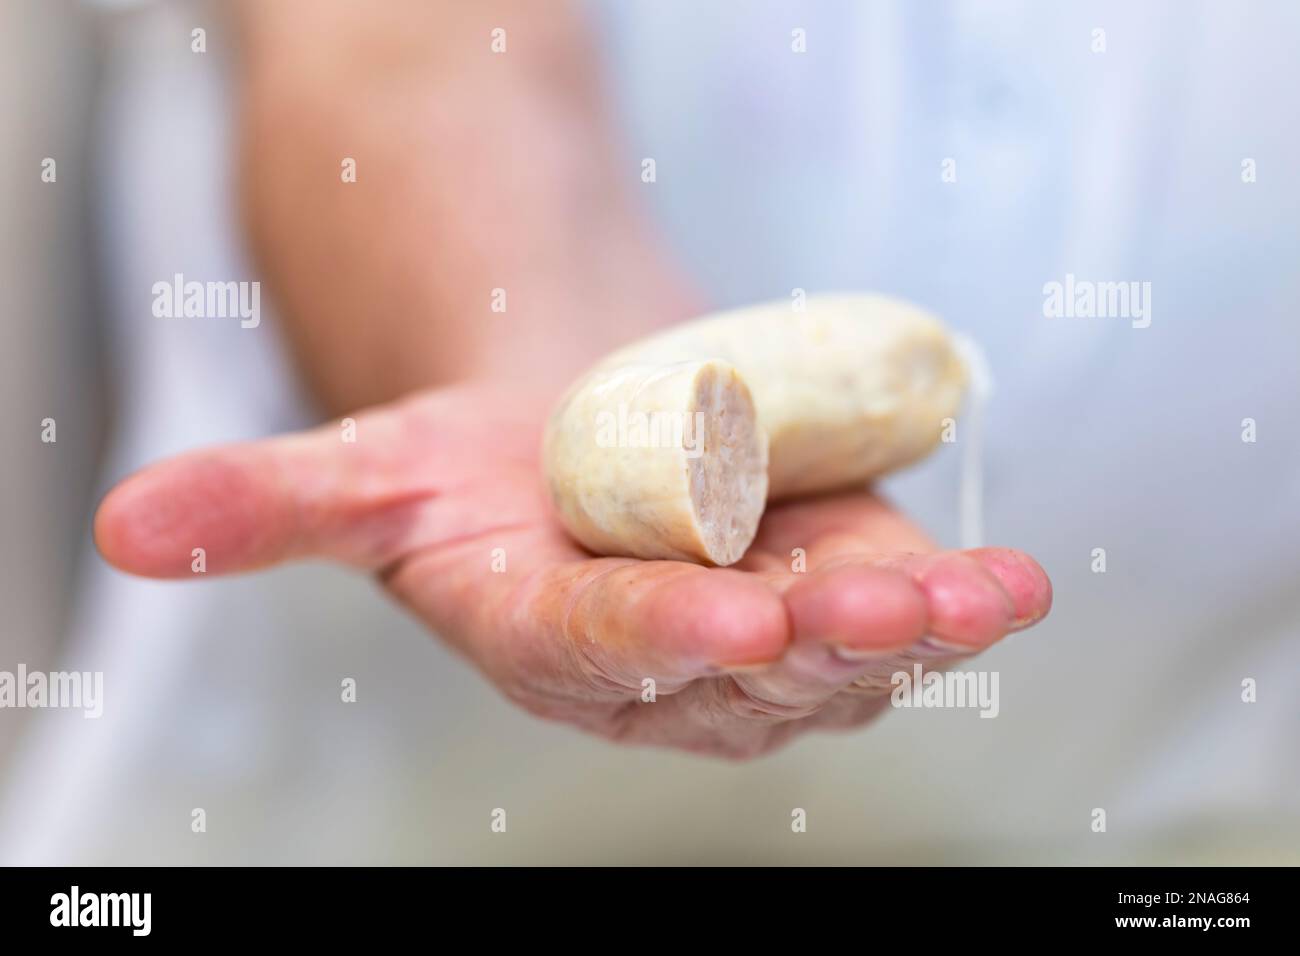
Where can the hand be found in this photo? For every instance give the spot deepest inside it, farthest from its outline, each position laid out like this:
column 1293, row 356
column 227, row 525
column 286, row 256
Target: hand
column 743, row 658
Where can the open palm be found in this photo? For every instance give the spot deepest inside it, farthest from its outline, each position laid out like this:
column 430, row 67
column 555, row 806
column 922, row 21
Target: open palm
column 441, row 496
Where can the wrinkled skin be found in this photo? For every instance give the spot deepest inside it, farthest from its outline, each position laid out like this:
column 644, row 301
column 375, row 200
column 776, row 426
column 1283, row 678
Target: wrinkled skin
column 743, row 658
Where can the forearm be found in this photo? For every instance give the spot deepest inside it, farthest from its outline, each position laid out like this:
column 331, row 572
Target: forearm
column 475, row 172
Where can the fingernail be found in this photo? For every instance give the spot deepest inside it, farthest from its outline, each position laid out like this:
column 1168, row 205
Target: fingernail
column 854, row 655
column 946, row 647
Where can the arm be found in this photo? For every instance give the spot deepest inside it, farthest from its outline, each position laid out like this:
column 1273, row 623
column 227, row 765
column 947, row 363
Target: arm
column 475, row 171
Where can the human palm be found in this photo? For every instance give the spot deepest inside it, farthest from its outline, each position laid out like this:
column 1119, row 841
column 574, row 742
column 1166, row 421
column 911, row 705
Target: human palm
column 441, row 496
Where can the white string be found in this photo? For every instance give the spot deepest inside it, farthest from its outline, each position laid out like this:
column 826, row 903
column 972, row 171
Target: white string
column 970, row 492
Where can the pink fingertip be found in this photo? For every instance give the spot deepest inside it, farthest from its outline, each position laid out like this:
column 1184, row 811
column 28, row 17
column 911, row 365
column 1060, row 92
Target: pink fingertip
column 1023, row 579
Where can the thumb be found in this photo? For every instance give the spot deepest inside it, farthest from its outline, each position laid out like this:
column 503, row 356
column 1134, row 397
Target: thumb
column 311, row 494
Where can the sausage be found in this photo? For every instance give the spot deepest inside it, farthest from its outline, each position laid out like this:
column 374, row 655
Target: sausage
column 788, row 403
column 661, row 460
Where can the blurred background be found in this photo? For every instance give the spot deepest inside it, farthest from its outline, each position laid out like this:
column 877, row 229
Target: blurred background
column 819, row 171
